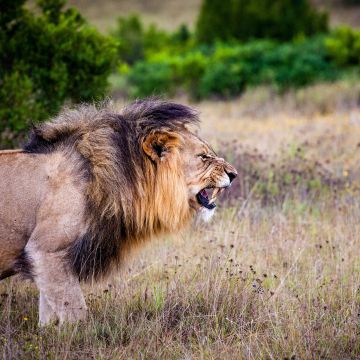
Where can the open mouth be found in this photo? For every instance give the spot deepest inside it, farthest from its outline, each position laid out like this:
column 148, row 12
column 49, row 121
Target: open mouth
column 207, row 197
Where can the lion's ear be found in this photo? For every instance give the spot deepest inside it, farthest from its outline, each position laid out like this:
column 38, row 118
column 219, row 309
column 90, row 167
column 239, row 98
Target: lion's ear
column 158, row 145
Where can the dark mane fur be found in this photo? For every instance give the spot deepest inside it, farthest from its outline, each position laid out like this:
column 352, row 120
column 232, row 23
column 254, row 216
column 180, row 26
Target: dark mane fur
column 109, row 144
column 140, row 117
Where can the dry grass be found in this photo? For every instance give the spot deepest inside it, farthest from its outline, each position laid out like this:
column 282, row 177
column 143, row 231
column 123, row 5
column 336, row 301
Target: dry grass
column 172, row 13
column 256, row 284
column 273, row 281
column 166, row 14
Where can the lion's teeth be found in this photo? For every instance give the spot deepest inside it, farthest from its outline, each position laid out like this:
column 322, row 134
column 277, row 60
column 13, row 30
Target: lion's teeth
column 213, row 197
column 215, row 192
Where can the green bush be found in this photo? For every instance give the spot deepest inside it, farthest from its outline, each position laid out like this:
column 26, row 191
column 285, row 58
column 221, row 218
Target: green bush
column 16, row 104
column 136, row 42
column 243, row 20
column 344, row 46
column 299, row 64
column 147, row 79
column 214, row 21
column 221, row 80
column 249, row 56
column 190, row 68
column 130, row 36
column 46, row 59
column 182, row 35
column 225, row 70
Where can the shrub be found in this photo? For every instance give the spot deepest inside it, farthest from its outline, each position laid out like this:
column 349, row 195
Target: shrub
column 221, row 80
column 155, row 39
column 182, row 35
column 17, row 105
column 214, row 20
column 244, row 20
column 47, row 59
column 284, row 65
column 226, row 69
column 148, row 79
column 249, row 56
column 137, row 42
column 163, row 73
column 130, row 36
column 344, row 46
column 295, row 65
column 190, row 69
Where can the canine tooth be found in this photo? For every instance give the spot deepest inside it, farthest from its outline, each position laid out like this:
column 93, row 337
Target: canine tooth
column 213, row 197
column 215, row 192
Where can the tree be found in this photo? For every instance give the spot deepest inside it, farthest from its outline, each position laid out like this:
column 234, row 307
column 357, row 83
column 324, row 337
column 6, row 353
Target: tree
column 246, row 19
column 214, row 21
column 130, row 35
column 46, row 59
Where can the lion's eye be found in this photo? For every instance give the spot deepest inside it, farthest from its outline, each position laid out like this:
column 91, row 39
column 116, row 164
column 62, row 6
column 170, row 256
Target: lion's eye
column 204, row 156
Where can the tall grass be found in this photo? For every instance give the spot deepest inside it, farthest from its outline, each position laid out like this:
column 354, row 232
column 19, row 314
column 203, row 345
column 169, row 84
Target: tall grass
column 279, row 282
column 275, row 275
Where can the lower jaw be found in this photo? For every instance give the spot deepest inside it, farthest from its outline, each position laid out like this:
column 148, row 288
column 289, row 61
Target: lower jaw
column 195, row 206
column 204, row 214
column 200, row 208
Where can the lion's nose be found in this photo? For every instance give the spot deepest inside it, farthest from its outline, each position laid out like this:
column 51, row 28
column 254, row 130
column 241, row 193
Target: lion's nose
column 232, row 175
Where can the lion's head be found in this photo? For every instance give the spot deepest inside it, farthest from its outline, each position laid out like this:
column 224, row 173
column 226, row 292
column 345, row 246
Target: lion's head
column 201, row 172
column 189, row 171
column 206, row 174
column 145, row 172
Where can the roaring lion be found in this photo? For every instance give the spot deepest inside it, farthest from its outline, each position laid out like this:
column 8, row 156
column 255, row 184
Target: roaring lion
column 91, row 184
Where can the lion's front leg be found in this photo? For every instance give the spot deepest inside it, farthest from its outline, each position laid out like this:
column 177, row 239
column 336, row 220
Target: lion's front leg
column 60, row 292
column 46, row 314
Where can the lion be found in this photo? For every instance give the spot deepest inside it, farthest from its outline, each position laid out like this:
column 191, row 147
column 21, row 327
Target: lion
column 91, row 184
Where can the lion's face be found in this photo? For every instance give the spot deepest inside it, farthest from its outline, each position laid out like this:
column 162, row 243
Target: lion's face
column 206, row 175
column 189, row 174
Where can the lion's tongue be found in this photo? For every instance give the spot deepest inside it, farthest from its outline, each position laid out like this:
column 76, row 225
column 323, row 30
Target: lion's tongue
column 204, row 194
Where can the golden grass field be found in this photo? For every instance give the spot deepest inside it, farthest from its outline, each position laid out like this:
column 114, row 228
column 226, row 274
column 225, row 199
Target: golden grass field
column 278, row 279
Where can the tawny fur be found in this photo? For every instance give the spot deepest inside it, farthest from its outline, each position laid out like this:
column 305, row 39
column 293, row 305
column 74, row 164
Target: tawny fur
column 128, row 199
column 91, row 184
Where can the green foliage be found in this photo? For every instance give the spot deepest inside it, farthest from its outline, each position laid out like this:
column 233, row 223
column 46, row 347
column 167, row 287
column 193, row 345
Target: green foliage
column 148, row 79
column 130, row 36
column 344, row 46
column 221, row 80
column 244, row 20
column 136, row 42
column 295, row 65
column 182, row 34
column 190, row 70
column 214, row 21
column 17, row 104
column 225, row 70
column 47, row 59
column 52, row 9
column 155, row 39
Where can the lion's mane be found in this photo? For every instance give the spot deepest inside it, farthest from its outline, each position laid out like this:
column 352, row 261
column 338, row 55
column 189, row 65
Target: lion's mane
column 129, row 197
